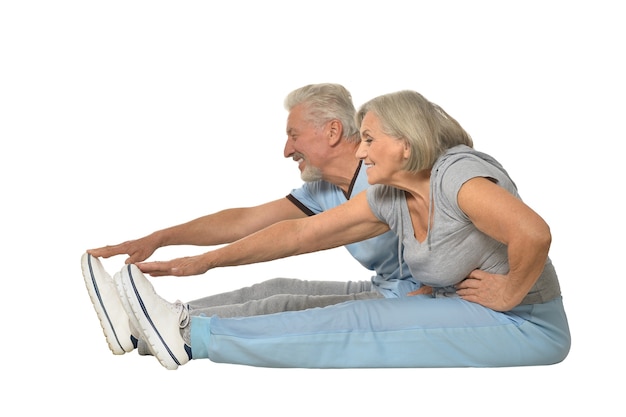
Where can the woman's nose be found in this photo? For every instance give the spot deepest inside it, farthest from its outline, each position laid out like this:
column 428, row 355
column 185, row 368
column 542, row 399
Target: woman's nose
column 361, row 152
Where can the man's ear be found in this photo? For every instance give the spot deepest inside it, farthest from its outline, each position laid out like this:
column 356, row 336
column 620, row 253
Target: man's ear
column 334, row 130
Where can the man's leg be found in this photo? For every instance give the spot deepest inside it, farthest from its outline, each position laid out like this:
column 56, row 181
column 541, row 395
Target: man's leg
column 277, row 295
column 281, row 294
column 280, row 303
column 279, row 286
column 419, row 331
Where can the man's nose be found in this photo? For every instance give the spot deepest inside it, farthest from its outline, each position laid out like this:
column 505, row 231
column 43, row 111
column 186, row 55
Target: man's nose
column 289, row 150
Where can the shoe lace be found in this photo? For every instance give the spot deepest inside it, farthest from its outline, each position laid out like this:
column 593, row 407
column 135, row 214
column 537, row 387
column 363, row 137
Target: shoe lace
column 184, row 314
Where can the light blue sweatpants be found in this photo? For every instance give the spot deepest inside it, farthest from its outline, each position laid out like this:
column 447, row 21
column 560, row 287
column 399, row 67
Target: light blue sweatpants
column 419, row 331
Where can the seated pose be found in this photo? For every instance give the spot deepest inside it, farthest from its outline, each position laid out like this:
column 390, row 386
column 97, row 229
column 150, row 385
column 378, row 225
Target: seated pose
column 322, row 137
column 495, row 298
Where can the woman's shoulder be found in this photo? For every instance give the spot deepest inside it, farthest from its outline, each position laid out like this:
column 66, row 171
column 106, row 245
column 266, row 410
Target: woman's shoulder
column 384, row 192
column 383, row 200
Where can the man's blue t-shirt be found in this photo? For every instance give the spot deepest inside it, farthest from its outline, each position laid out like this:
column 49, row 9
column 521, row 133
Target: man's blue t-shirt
column 381, row 254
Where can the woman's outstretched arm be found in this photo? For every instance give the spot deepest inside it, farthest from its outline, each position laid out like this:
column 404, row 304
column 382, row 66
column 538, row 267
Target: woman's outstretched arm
column 350, row 222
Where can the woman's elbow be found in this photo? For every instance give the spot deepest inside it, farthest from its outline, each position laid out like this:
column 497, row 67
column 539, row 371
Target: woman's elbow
column 540, row 236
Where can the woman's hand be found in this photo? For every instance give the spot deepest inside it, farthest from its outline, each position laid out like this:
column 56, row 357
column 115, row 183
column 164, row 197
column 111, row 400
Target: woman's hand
column 489, row 290
column 505, row 218
column 190, row 265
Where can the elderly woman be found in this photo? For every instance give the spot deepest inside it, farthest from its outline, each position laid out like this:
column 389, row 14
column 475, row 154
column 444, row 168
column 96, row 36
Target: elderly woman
column 465, row 232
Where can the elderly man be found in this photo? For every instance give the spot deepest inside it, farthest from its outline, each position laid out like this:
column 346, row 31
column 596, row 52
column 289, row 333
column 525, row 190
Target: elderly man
column 322, row 138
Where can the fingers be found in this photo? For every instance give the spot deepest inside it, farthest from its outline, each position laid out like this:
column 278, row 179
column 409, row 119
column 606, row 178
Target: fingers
column 176, row 267
column 484, row 288
column 104, row 252
column 135, row 258
column 478, row 274
column 136, row 250
column 421, row 291
column 112, row 250
column 467, row 283
column 155, row 269
column 472, row 281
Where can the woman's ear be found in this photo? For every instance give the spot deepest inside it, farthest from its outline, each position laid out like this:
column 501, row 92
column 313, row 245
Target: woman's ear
column 406, row 150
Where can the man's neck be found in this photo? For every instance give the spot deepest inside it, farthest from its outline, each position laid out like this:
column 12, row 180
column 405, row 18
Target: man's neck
column 343, row 168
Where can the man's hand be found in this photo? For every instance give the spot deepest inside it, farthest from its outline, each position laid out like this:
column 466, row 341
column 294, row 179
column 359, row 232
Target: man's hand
column 137, row 250
column 423, row 290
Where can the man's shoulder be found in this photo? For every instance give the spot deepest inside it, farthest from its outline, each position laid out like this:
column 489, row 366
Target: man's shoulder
column 318, row 196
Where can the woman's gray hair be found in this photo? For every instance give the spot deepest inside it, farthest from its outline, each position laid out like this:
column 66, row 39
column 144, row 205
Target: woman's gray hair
column 427, row 129
column 326, row 102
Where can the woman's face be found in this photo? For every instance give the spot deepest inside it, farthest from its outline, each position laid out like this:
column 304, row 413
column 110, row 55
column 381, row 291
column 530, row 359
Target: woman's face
column 383, row 155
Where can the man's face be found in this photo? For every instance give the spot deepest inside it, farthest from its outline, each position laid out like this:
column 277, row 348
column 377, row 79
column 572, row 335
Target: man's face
column 305, row 144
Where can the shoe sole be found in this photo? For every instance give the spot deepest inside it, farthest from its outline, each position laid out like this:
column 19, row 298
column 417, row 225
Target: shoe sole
column 117, row 280
column 145, row 324
column 91, row 282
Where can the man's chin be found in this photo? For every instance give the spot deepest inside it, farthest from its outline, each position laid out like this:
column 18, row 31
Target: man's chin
column 311, row 174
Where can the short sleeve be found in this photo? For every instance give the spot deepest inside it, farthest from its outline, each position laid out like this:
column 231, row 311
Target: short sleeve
column 450, row 178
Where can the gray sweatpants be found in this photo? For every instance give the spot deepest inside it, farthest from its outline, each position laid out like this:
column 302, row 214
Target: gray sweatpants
column 274, row 296
column 281, row 294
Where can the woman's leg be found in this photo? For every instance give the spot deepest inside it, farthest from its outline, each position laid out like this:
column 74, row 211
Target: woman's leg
column 274, row 296
column 418, row 331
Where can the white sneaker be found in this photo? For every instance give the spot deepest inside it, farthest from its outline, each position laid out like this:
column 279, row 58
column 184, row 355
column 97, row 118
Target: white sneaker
column 106, row 301
column 143, row 348
column 160, row 322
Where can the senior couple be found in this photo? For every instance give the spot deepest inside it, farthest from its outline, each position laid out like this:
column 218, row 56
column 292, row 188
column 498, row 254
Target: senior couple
column 462, row 272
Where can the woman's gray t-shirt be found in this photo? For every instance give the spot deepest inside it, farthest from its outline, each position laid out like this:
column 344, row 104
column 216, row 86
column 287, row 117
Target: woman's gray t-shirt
column 454, row 246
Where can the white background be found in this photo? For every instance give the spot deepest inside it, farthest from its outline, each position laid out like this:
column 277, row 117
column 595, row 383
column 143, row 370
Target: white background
column 118, row 118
